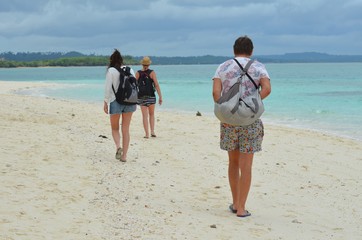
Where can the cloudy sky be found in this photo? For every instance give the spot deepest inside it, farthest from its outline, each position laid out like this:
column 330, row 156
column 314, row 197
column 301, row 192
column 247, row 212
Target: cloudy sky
column 180, row 27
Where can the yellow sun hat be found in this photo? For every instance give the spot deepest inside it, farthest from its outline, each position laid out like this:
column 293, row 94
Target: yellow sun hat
column 146, row 61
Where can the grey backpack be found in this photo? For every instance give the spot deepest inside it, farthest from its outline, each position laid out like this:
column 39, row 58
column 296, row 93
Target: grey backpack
column 237, row 111
column 127, row 92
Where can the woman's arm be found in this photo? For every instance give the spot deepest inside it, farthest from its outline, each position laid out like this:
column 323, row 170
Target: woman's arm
column 265, row 87
column 105, row 107
column 107, row 86
column 157, row 86
column 216, row 89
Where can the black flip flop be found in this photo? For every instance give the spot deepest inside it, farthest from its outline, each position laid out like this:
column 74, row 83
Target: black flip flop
column 231, row 208
column 246, row 214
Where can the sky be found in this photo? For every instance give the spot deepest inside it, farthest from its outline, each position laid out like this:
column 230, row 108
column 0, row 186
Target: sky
column 180, row 27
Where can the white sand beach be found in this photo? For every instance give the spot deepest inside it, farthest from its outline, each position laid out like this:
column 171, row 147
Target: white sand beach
column 60, row 180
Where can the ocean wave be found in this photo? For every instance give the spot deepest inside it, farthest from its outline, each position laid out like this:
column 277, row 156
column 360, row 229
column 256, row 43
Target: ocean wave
column 336, row 93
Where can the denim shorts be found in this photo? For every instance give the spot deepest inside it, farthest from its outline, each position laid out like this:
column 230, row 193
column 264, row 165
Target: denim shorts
column 116, row 108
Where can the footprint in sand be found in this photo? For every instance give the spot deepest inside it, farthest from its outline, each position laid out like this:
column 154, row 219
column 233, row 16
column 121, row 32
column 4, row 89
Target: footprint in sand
column 257, row 232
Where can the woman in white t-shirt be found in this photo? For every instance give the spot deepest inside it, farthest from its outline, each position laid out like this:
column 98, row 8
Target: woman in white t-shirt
column 116, row 110
column 241, row 142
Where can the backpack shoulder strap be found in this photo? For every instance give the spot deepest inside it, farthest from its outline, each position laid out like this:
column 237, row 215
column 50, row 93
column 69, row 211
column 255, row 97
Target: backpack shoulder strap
column 245, row 70
column 149, row 71
column 120, row 70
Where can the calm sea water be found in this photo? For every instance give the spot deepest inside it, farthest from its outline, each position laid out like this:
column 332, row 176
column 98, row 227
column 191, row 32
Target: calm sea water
column 321, row 96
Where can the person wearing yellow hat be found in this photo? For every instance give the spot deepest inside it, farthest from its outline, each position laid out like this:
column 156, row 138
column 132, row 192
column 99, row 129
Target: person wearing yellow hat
column 147, row 83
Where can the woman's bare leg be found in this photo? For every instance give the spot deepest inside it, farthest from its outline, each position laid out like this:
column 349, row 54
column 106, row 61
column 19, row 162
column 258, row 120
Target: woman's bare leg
column 245, row 165
column 126, row 122
column 144, row 111
column 151, row 113
column 114, row 118
column 234, row 175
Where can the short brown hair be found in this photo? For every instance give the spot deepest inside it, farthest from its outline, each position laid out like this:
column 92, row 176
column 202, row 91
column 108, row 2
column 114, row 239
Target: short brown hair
column 243, row 45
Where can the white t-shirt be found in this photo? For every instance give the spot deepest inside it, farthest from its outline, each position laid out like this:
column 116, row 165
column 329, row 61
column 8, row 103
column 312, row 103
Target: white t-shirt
column 112, row 78
column 229, row 72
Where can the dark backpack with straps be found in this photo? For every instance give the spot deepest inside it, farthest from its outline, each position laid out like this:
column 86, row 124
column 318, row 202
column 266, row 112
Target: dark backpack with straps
column 127, row 90
column 145, row 84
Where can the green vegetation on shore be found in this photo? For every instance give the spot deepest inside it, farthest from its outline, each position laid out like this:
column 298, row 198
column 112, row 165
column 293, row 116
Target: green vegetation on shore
column 64, row 62
column 52, row 59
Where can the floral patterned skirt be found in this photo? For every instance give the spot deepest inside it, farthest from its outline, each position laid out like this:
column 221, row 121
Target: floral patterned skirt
column 247, row 139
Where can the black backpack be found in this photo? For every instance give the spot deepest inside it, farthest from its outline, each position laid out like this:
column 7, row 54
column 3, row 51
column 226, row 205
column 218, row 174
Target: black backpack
column 145, row 84
column 127, row 90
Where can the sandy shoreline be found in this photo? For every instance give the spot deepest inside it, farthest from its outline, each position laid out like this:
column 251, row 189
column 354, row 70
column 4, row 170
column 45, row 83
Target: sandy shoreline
column 59, row 178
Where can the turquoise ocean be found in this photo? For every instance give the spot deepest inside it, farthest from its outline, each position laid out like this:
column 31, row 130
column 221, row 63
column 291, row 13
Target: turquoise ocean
column 326, row 97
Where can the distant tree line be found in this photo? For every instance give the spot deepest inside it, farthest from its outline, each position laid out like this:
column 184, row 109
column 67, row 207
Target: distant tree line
column 64, row 62
column 37, row 56
column 11, row 60
column 39, row 59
